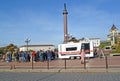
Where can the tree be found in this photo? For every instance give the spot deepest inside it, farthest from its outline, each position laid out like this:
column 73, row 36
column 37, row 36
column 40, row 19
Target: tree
column 2, row 50
column 117, row 47
column 73, row 39
column 10, row 47
column 103, row 44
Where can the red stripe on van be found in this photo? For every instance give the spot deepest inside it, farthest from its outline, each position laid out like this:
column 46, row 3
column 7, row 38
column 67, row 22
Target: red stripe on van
column 74, row 52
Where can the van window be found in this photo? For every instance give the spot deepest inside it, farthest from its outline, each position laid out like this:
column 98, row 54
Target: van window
column 71, row 49
column 86, row 47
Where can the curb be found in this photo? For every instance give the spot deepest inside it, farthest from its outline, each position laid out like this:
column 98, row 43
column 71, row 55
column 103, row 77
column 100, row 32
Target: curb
column 62, row 70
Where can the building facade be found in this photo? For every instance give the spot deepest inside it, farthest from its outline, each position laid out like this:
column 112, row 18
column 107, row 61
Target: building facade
column 95, row 41
column 37, row 47
column 113, row 37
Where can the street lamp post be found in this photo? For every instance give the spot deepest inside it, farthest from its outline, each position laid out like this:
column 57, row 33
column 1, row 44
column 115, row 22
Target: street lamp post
column 68, row 36
column 27, row 41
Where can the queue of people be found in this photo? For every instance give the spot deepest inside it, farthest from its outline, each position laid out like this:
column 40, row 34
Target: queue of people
column 25, row 56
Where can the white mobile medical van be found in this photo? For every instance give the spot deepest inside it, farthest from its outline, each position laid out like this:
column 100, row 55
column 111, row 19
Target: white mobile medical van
column 70, row 50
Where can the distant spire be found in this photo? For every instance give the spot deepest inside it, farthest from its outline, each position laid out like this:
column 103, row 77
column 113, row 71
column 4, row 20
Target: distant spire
column 113, row 27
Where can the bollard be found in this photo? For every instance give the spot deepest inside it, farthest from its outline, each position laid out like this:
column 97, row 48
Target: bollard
column 47, row 64
column 65, row 63
column 84, row 63
column 106, row 61
column 14, row 67
column 11, row 67
column 32, row 63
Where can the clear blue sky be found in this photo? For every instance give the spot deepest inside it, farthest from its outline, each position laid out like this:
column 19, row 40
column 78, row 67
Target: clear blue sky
column 42, row 20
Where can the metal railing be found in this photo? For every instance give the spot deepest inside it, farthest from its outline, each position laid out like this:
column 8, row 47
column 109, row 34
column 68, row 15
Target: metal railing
column 106, row 63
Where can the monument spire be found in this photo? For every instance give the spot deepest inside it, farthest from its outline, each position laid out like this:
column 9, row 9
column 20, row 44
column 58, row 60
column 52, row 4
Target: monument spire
column 65, row 24
column 64, row 6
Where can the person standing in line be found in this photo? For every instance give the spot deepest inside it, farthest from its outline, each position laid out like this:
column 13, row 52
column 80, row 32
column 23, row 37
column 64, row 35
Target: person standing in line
column 20, row 56
column 37, row 56
column 10, row 56
column 3, row 57
column 49, row 55
column 17, row 56
column 7, row 56
column 33, row 56
column 23, row 56
column 13, row 56
column 28, row 57
column 52, row 55
column 41, row 55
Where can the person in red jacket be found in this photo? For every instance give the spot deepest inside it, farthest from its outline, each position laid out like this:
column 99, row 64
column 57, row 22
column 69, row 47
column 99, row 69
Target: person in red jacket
column 34, row 55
